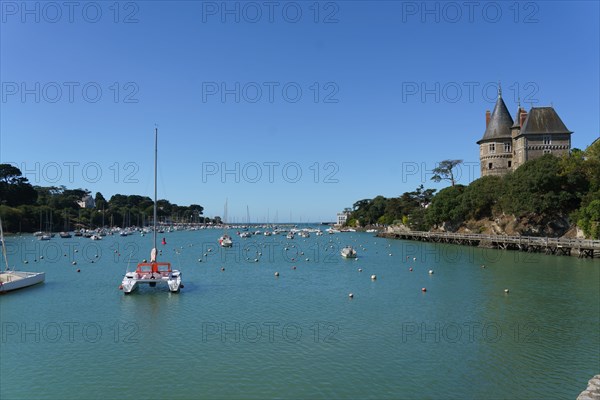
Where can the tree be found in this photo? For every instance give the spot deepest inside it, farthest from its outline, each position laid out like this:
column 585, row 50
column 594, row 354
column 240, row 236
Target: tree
column 538, row 187
column 589, row 220
column 14, row 188
column 446, row 206
column 100, row 201
column 9, row 174
column 444, row 171
column 481, row 196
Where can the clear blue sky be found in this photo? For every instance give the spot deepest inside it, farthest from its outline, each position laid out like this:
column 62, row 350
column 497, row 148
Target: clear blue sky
column 387, row 90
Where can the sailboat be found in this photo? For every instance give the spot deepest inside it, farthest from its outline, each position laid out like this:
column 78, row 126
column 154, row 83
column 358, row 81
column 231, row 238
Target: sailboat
column 13, row 280
column 225, row 240
column 153, row 272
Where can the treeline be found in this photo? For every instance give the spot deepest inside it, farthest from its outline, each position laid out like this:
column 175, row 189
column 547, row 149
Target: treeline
column 545, row 189
column 27, row 208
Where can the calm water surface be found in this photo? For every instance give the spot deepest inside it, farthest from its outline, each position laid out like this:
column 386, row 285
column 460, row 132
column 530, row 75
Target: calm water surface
column 244, row 333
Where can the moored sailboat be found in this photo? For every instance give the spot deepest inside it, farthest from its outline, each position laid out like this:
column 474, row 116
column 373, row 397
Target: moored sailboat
column 225, row 240
column 153, row 272
column 13, row 280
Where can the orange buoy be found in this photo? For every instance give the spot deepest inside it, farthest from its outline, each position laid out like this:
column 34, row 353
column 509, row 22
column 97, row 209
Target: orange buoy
column 78, row 270
column 120, row 287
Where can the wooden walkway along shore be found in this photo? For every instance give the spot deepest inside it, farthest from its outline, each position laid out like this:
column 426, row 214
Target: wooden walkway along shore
column 582, row 248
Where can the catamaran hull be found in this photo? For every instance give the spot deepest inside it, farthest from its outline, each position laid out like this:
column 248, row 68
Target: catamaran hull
column 14, row 280
column 131, row 282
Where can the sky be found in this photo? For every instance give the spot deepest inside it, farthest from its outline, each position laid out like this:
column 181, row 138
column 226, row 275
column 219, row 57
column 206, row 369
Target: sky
column 284, row 110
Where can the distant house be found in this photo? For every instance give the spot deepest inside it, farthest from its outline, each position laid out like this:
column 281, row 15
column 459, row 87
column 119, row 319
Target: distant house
column 87, row 201
column 342, row 218
column 506, row 145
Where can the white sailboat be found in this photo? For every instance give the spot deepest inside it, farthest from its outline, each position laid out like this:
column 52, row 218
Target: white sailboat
column 153, row 272
column 225, row 240
column 13, row 280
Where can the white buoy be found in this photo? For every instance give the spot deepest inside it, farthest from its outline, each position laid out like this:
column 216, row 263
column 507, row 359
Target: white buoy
column 373, row 277
column 199, row 260
column 276, row 273
column 360, row 270
column 25, row 262
column 41, row 257
column 76, row 251
column 351, row 295
column 505, row 290
column 430, row 272
column 74, row 263
column 308, row 259
column 414, row 258
column 390, row 254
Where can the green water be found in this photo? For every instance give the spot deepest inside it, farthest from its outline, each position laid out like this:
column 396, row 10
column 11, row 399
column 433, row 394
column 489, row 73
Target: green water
column 244, row 333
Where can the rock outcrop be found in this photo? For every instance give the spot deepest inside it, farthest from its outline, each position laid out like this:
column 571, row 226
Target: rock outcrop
column 593, row 390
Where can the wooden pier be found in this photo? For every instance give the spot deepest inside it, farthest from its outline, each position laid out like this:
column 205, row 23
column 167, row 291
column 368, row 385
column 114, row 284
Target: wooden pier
column 582, row 248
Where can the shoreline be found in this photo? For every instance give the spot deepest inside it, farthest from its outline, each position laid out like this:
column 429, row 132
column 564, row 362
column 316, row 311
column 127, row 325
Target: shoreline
column 582, row 248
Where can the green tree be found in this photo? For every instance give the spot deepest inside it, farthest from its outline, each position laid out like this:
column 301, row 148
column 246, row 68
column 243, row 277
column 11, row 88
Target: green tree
column 589, row 220
column 480, row 197
column 100, row 201
column 444, row 171
column 446, row 206
column 14, row 188
column 537, row 187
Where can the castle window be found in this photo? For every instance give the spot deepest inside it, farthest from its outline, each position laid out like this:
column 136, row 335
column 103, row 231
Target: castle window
column 507, row 147
column 492, row 148
column 547, row 140
column 547, row 151
column 509, row 164
column 489, row 165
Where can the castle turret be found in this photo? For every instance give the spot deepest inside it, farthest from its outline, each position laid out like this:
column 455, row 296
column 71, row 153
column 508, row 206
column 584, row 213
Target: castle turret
column 495, row 147
column 518, row 142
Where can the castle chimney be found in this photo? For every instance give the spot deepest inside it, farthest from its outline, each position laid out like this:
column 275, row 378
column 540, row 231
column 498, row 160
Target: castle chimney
column 523, row 117
column 487, row 118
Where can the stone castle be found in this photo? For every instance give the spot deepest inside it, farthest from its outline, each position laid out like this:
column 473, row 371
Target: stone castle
column 507, row 144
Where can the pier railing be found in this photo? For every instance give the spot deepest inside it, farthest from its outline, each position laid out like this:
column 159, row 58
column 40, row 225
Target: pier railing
column 560, row 246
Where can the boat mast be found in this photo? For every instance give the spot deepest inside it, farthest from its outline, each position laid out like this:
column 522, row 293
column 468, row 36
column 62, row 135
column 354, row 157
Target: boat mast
column 155, row 163
column 3, row 246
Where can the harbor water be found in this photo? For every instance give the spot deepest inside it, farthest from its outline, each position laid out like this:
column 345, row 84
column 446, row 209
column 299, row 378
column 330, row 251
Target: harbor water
column 435, row 321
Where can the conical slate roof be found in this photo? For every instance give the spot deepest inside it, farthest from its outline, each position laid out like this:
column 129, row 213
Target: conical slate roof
column 500, row 123
column 543, row 120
